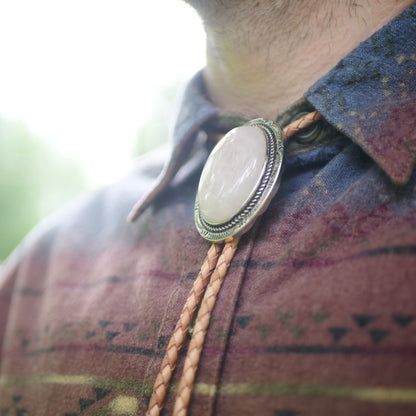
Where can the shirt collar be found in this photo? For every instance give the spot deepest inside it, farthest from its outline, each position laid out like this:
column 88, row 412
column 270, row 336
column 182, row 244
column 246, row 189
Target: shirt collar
column 370, row 96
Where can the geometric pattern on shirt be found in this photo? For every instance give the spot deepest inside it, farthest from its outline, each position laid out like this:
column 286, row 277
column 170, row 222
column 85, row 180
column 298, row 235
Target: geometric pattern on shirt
column 87, row 329
column 107, row 335
column 104, row 395
column 15, row 407
column 358, row 322
column 102, row 403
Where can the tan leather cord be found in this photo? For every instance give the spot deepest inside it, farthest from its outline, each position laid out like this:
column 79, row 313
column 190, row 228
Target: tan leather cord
column 201, row 325
column 175, row 344
column 301, row 123
column 216, row 268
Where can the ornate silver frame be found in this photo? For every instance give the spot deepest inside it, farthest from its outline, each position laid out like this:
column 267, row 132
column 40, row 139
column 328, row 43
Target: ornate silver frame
column 261, row 197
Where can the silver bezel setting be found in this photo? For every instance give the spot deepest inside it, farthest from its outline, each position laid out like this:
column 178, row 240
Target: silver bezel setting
column 260, row 199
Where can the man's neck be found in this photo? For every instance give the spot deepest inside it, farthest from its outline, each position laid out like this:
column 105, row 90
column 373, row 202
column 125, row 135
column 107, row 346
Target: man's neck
column 261, row 71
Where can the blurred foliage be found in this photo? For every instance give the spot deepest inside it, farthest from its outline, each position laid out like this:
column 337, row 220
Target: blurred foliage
column 155, row 130
column 35, row 179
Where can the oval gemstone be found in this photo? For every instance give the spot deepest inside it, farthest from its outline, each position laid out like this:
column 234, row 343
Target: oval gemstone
column 232, row 174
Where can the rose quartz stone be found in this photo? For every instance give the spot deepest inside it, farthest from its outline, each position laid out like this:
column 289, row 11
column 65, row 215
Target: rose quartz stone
column 232, row 174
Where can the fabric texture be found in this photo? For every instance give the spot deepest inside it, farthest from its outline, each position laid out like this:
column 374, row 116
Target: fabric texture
column 317, row 314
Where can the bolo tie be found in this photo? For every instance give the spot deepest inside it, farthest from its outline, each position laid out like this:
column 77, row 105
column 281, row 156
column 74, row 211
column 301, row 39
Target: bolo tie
column 235, row 189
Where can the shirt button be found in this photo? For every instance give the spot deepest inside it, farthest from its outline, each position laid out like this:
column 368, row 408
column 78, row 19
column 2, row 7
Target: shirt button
column 308, row 134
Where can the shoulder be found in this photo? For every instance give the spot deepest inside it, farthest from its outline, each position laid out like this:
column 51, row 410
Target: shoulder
column 91, row 216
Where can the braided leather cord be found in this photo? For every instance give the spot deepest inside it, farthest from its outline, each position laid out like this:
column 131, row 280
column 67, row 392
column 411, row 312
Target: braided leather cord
column 204, row 315
column 201, row 325
column 301, row 123
column 175, row 344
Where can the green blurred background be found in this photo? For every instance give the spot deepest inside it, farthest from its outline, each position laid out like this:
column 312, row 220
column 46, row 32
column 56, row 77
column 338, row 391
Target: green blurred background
column 36, row 178
column 86, row 87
